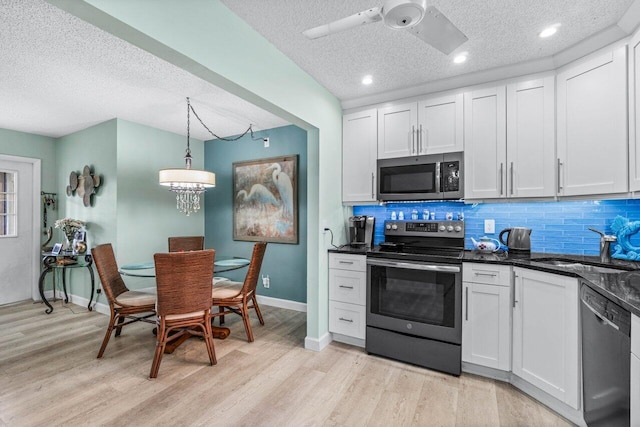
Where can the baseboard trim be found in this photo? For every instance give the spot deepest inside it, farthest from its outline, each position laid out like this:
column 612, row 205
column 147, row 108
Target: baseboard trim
column 317, row 344
column 483, row 371
column 282, row 303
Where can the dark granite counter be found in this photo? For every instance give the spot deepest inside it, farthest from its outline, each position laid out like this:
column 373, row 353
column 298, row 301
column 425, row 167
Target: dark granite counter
column 622, row 288
column 346, row 249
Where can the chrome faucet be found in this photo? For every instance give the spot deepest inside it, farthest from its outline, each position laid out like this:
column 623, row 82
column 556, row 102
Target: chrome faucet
column 605, row 245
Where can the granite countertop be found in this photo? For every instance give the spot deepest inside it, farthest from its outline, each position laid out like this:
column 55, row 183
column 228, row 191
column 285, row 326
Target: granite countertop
column 622, row 288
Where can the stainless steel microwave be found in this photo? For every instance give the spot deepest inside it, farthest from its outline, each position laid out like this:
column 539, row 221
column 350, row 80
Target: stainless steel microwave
column 430, row 177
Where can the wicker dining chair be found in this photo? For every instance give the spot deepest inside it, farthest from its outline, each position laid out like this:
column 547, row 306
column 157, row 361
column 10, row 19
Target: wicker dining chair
column 183, row 282
column 186, row 243
column 124, row 305
column 235, row 297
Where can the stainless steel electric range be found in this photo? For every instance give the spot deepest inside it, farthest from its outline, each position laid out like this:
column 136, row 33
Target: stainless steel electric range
column 414, row 294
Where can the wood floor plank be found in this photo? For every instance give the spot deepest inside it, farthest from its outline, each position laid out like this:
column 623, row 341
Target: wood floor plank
column 50, row 376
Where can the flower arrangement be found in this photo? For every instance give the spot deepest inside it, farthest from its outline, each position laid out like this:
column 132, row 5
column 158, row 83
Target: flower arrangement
column 69, row 226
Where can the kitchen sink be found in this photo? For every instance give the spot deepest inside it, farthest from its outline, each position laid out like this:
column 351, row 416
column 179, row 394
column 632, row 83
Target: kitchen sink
column 579, row 267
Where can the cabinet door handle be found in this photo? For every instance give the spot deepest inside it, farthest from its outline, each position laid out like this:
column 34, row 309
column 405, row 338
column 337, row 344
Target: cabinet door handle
column 501, row 179
column 511, row 178
column 345, row 287
column 345, row 262
column 478, row 273
column 420, row 141
column 373, row 179
column 559, row 175
column 413, row 139
column 514, row 290
column 466, row 303
column 345, row 320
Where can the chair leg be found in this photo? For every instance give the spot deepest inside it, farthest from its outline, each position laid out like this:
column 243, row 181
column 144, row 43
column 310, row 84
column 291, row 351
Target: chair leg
column 119, row 328
column 161, row 343
column 247, row 322
column 257, row 308
column 107, row 335
column 208, row 340
column 220, row 310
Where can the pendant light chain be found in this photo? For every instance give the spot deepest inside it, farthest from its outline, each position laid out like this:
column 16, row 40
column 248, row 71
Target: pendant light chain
column 189, row 106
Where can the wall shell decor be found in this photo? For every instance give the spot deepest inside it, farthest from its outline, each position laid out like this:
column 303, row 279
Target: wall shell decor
column 84, row 185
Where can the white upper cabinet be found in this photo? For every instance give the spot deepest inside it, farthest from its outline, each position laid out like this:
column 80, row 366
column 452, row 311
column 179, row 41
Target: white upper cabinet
column 440, row 124
column 485, row 150
column 359, row 154
column 530, row 164
column 592, row 125
column 397, row 135
column 634, row 113
column 510, row 141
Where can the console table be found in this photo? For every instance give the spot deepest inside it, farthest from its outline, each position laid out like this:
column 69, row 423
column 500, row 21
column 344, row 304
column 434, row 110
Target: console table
column 53, row 262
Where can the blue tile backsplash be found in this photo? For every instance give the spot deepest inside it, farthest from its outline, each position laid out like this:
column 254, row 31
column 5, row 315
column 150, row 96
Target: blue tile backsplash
column 558, row 227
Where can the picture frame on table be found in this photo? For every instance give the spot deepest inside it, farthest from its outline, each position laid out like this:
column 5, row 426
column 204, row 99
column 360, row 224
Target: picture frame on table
column 57, row 248
column 265, row 200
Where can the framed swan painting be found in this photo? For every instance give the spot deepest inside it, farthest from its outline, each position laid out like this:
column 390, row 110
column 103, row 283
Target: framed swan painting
column 265, row 200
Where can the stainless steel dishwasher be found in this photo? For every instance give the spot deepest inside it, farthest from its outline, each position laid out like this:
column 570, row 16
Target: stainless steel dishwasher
column 606, row 359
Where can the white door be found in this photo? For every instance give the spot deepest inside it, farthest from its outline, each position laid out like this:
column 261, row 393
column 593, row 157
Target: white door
column 440, row 125
column 485, row 143
column 397, row 133
column 17, row 231
column 359, row 155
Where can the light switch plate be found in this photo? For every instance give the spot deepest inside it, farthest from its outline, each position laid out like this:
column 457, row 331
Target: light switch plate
column 489, row 226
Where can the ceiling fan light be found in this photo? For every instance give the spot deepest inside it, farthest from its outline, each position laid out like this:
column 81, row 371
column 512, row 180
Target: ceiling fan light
column 400, row 14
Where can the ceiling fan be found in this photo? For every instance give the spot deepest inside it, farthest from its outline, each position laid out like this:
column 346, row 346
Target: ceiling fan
column 426, row 23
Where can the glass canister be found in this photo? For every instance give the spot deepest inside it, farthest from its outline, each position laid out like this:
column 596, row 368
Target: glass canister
column 414, row 214
column 425, row 214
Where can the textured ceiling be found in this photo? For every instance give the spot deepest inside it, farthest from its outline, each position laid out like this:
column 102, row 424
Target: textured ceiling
column 59, row 74
column 500, row 33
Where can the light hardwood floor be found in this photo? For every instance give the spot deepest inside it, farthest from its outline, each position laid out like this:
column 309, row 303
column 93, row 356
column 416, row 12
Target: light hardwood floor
column 49, row 375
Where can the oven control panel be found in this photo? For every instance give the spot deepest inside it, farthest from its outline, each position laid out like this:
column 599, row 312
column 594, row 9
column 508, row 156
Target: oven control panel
column 424, row 228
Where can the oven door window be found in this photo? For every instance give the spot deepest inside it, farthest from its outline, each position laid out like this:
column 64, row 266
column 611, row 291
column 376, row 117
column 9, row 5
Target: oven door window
column 414, row 295
column 420, row 178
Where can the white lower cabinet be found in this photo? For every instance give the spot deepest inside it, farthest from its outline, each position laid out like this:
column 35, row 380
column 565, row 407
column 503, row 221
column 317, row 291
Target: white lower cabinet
column 486, row 315
column 546, row 333
column 347, row 295
column 635, row 371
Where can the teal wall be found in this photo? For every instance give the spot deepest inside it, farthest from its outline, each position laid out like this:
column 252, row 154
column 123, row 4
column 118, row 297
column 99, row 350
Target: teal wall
column 207, row 39
column 95, row 147
column 286, row 264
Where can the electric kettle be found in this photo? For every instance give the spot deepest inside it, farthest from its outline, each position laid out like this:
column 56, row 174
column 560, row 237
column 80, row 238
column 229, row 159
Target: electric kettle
column 517, row 238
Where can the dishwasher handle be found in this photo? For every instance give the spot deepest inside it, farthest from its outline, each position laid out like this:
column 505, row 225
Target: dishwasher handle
column 601, row 318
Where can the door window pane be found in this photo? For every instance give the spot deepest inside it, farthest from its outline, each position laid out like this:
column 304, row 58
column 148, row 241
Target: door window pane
column 8, row 196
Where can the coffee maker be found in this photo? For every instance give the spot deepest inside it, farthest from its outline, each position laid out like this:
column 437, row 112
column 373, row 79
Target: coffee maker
column 361, row 231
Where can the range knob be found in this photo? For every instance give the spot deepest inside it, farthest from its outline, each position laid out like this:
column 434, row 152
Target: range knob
column 442, row 228
column 450, row 228
column 457, row 228
column 394, row 227
column 388, row 226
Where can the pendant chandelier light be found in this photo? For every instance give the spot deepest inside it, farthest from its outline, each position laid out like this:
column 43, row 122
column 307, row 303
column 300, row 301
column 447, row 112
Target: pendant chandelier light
column 187, row 183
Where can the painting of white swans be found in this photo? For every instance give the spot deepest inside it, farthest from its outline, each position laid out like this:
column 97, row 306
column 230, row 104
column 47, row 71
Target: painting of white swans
column 265, row 205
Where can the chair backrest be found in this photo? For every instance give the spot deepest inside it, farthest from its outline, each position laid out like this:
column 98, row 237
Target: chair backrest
column 251, row 279
column 186, row 243
column 183, row 281
column 105, row 262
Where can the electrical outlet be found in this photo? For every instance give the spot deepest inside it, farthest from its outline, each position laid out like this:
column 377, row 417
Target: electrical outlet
column 266, row 281
column 324, row 227
column 266, row 142
column 489, row 226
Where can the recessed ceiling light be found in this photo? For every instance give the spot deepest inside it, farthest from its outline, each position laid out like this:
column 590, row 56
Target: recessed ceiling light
column 460, row 58
column 549, row 31
column 367, row 80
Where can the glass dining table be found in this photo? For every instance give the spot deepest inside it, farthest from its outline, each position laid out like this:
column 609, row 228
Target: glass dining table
column 221, row 264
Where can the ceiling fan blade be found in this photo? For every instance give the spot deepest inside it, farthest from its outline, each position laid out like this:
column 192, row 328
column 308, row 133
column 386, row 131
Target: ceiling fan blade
column 361, row 18
column 438, row 31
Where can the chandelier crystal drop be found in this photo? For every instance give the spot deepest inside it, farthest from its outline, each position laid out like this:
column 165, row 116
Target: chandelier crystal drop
column 187, row 183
